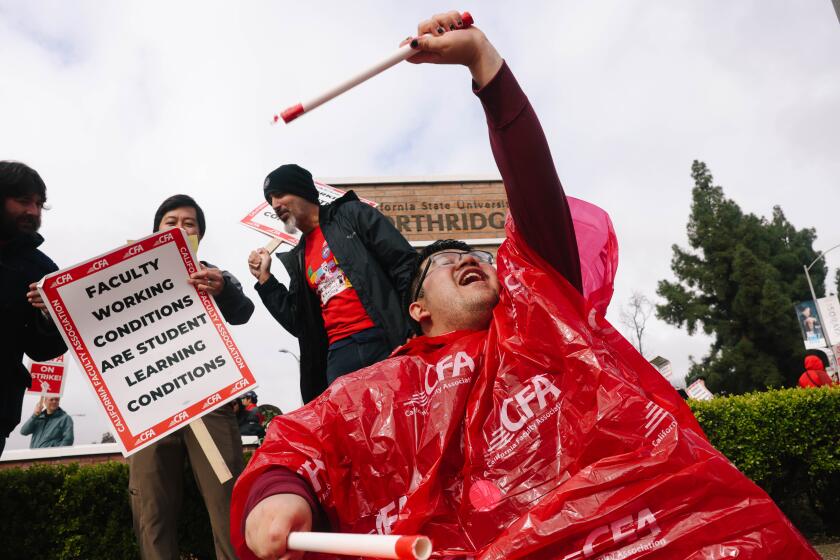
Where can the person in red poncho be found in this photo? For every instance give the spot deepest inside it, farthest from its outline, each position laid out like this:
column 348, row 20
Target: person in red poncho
column 520, row 424
column 815, row 374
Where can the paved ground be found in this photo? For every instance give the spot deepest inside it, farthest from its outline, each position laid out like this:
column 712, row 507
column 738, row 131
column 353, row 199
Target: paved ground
column 829, row 551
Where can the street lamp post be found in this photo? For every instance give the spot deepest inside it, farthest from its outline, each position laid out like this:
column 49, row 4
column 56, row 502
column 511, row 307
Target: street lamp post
column 814, row 296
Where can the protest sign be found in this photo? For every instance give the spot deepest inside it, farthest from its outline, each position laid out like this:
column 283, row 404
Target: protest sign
column 663, row 366
column 264, row 220
column 698, row 390
column 48, row 377
column 155, row 350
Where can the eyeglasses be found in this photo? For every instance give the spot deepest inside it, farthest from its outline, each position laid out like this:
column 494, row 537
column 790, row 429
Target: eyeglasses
column 449, row 258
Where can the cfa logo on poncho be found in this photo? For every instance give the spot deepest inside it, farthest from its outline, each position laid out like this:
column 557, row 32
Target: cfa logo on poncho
column 450, row 371
column 516, row 411
column 388, row 515
column 628, row 529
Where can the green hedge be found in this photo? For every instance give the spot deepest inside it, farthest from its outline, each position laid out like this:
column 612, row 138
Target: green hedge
column 788, row 442
column 70, row 511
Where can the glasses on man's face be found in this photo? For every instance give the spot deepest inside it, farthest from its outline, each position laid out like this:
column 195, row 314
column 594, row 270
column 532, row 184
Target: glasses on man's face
column 449, row 258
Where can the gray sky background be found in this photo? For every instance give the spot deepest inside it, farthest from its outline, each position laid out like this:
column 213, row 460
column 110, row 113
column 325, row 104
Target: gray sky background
column 119, row 105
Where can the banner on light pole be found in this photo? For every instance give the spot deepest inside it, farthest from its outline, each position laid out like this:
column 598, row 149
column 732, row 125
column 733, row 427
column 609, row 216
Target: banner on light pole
column 809, row 323
column 829, row 308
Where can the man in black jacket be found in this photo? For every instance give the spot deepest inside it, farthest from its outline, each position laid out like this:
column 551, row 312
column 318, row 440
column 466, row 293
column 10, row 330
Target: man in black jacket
column 348, row 276
column 24, row 327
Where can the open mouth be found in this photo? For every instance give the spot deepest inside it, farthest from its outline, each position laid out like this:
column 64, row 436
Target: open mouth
column 471, row 276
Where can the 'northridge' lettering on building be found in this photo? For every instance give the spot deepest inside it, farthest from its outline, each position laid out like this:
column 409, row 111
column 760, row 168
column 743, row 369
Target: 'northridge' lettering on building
column 464, row 221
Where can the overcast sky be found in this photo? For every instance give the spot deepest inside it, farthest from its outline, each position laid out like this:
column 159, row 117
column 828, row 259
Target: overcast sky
column 119, row 105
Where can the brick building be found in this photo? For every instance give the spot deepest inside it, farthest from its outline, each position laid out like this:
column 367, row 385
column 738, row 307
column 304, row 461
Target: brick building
column 424, row 209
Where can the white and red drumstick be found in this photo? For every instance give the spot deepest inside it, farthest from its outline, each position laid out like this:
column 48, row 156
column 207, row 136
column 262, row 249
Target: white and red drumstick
column 401, row 547
column 397, row 56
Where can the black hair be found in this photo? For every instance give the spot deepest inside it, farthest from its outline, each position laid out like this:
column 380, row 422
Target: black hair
column 425, row 253
column 180, row 201
column 18, row 179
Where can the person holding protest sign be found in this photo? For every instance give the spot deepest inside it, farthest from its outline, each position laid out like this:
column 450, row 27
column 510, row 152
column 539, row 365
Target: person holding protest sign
column 520, row 424
column 348, row 276
column 49, row 425
column 156, row 471
column 25, row 327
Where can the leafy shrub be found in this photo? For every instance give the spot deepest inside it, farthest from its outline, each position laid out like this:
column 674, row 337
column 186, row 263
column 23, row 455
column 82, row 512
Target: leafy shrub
column 788, row 442
column 83, row 512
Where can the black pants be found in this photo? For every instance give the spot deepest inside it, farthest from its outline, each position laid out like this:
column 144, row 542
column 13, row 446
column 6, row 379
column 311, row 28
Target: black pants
column 356, row 351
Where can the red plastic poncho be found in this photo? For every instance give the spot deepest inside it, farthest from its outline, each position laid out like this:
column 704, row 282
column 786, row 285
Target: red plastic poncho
column 545, row 436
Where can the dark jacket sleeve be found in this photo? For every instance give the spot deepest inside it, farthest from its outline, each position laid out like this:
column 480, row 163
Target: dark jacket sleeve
column 280, row 302
column 42, row 341
column 235, row 306
column 394, row 254
column 536, row 198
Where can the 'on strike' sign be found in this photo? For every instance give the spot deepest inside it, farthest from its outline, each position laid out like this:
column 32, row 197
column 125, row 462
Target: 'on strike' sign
column 48, row 378
column 154, row 348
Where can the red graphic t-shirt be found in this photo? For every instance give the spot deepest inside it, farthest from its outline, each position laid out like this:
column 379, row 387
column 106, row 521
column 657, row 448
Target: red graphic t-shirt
column 343, row 312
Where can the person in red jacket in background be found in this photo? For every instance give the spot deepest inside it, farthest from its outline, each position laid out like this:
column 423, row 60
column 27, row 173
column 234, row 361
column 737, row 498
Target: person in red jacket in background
column 815, row 374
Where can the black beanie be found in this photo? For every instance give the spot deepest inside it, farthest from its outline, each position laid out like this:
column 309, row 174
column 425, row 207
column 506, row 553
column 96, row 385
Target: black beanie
column 290, row 179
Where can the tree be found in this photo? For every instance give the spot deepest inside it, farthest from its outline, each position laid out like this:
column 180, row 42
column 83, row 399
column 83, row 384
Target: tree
column 635, row 316
column 837, row 280
column 739, row 282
